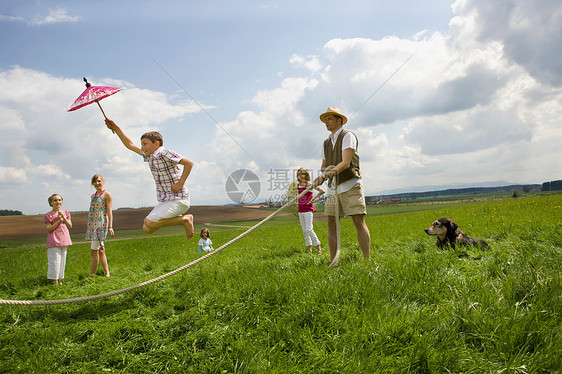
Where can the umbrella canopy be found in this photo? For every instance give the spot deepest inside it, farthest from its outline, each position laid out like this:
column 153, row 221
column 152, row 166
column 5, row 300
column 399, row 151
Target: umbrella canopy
column 93, row 94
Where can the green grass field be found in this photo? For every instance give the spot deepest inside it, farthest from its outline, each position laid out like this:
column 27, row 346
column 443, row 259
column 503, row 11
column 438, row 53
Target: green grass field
column 264, row 305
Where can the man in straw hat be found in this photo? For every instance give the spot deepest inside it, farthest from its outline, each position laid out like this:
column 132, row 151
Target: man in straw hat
column 340, row 165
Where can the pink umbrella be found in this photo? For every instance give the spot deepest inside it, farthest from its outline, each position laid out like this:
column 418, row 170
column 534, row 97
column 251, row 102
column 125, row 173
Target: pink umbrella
column 93, row 94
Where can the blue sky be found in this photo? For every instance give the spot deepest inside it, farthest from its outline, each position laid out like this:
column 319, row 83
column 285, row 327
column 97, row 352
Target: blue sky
column 240, row 85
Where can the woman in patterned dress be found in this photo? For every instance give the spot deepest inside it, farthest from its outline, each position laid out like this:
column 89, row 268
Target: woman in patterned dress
column 100, row 222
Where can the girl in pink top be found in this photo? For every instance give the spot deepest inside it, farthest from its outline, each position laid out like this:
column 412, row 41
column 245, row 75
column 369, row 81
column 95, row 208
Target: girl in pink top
column 57, row 222
column 306, row 209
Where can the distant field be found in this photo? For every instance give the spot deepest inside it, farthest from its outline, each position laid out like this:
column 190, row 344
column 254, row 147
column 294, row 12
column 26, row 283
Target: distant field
column 17, row 227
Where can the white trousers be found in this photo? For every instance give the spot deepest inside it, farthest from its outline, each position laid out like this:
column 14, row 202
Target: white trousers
column 56, row 260
column 310, row 237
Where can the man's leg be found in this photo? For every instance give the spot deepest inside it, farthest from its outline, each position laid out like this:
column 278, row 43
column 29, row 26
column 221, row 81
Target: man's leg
column 332, row 237
column 363, row 235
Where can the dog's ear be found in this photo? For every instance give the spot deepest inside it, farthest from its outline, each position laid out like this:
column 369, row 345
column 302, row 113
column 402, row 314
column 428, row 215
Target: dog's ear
column 450, row 224
column 454, row 225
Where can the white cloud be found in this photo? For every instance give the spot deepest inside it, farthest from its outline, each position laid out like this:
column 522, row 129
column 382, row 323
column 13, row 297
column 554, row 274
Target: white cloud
column 268, row 6
column 373, row 145
column 467, row 131
column 280, row 100
column 4, row 18
column 58, row 15
column 529, row 32
column 310, row 63
column 51, row 171
column 12, row 176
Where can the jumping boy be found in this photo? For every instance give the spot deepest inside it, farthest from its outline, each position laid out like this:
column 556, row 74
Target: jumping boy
column 172, row 194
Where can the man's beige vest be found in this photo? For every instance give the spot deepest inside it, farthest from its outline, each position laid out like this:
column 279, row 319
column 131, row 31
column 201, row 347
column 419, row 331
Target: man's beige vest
column 333, row 156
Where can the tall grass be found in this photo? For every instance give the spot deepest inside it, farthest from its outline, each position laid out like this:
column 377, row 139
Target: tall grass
column 265, row 305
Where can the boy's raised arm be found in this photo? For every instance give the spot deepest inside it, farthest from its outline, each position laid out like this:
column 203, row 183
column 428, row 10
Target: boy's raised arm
column 127, row 142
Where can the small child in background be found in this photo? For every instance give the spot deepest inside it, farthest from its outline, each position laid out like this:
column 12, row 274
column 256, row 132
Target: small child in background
column 57, row 222
column 306, row 209
column 205, row 243
column 100, row 222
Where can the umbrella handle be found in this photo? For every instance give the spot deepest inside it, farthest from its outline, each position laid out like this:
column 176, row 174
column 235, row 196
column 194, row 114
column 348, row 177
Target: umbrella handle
column 98, row 102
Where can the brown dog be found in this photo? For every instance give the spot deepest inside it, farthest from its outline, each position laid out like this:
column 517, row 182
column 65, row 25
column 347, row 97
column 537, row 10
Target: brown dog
column 448, row 232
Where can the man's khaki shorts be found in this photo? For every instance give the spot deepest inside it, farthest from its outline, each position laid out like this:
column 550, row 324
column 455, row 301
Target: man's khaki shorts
column 351, row 202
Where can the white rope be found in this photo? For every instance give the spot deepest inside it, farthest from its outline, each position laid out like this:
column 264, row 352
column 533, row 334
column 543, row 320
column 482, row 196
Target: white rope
column 162, row 277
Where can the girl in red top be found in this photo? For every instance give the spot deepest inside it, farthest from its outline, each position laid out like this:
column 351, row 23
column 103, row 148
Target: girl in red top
column 306, row 209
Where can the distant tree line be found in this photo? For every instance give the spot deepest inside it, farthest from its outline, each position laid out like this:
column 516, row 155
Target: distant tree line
column 462, row 191
column 552, row 186
column 8, row 212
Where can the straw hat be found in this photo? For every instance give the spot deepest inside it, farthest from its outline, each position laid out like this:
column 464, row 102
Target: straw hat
column 333, row 111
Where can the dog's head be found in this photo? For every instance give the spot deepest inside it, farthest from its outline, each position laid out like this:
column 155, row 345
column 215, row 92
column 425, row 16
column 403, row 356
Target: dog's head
column 442, row 227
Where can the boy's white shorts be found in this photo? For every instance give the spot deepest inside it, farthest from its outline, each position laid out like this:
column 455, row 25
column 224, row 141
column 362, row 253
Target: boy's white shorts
column 168, row 209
